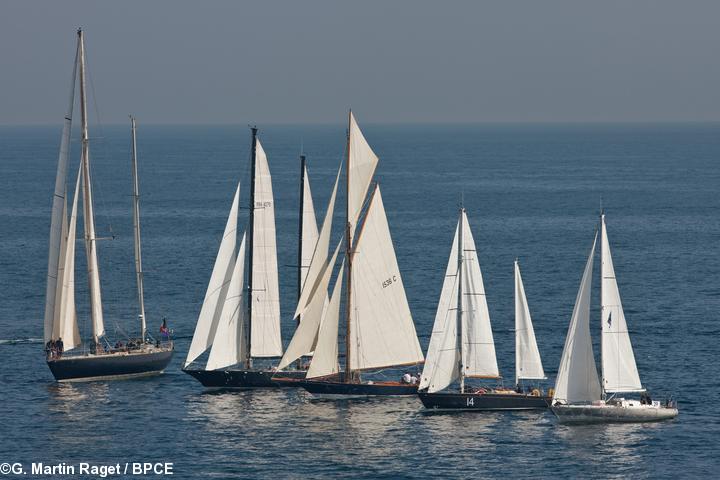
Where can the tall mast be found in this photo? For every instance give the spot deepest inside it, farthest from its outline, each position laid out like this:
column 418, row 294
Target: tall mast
column 136, row 229
column 602, row 260
column 300, row 230
column 251, row 228
column 88, row 214
column 348, row 256
column 460, row 259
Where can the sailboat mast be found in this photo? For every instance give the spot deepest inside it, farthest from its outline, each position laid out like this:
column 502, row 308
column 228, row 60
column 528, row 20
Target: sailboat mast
column 88, row 214
column 461, row 234
column 602, row 261
column 136, row 231
column 251, row 228
column 300, row 230
column 348, row 256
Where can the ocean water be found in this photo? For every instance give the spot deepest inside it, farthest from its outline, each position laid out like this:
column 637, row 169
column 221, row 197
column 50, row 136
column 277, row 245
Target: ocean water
column 531, row 192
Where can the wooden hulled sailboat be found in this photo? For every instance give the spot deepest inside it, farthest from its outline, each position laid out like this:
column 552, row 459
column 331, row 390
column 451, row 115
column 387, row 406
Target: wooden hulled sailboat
column 243, row 336
column 462, row 346
column 579, row 396
column 65, row 357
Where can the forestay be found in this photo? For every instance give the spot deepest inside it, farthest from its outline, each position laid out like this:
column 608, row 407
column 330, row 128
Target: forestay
column 382, row 331
column 528, row 364
column 325, row 360
column 265, row 307
column 577, row 380
column 217, row 287
column 619, row 370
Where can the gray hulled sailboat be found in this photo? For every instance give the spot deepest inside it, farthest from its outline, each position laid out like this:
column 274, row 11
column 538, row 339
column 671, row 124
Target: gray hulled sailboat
column 66, row 359
column 579, row 396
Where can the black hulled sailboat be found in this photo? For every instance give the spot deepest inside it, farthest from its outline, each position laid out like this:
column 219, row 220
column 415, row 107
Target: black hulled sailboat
column 67, row 358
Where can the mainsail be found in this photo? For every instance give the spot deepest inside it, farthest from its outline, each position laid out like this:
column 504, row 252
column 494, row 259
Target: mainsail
column 619, row 370
column 265, row 296
column 577, row 380
column 217, row 287
column 528, row 364
column 382, row 332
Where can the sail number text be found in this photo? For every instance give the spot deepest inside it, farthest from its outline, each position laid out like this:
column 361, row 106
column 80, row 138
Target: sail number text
column 389, row 281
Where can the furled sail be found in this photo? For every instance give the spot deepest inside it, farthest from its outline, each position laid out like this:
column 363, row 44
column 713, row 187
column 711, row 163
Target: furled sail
column 265, row 296
column 229, row 346
column 619, row 370
column 442, row 365
column 527, row 356
column 478, row 345
column 217, row 287
column 306, row 334
column 382, row 331
column 318, row 263
column 362, row 162
column 577, row 380
column 325, row 360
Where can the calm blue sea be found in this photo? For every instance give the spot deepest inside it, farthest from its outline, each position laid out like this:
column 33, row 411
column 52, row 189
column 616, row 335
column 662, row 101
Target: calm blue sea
column 531, row 192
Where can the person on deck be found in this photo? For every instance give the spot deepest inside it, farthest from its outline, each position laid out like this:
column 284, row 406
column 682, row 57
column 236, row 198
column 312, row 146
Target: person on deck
column 59, row 345
column 164, row 331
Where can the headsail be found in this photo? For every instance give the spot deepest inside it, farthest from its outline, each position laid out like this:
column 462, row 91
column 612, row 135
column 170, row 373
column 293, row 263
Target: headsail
column 577, row 380
column 217, row 287
column 443, row 357
column 619, row 370
column 383, row 332
column 309, row 229
column 265, row 297
column 325, row 360
column 527, row 356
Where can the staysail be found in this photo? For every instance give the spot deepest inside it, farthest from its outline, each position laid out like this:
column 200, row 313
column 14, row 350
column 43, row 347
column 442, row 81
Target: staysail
column 577, row 380
column 442, row 365
column 325, row 360
column 382, row 332
column 217, row 287
column 528, row 364
column 265, row 297
column 619, row 370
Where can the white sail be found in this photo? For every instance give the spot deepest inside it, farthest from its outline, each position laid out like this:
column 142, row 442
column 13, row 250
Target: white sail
column 306, row 334
column 58, row 217
column 217, row 287
column 382, row 332
column 325, row 360
column 478, row 345
column 361, row 165
column 265, row 297
column 619, row 371
column 528, row 364
column 229, row 346
column 577, row 380
column 309, row 229
column 318, row 264
column 442, row 364
column 65, row 325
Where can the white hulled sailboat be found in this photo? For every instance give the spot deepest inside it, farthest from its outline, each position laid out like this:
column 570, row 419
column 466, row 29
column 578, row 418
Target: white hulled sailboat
column 62, row 337
column 579, row 396
column 379, row 330
column 462, row 345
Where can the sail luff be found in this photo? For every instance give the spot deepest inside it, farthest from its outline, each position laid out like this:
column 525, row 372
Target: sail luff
column 136, row 232
column 528, row 364
column 88, row 211
column 57, row 218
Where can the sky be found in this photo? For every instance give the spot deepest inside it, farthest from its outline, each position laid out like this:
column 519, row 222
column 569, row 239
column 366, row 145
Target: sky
column 275, row 62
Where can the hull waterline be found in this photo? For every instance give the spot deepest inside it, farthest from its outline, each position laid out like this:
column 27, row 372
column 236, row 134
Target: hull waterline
column 612, row 413
column 338, row 389
column 115, row 366
column 244, row 378
column 443, row 401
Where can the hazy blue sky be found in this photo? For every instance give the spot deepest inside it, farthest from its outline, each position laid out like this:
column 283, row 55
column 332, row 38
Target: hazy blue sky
column 172, row 61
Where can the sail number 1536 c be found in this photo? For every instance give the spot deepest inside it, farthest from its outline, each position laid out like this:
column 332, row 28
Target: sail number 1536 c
column 389, row 281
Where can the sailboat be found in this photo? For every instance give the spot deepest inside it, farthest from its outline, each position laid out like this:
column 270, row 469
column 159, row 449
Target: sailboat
column 579, row 396
column 243, row 335
column 67, row 361
column 379, row 329
column 462, row 346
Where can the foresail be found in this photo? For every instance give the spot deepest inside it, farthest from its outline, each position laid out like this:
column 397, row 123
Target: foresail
column 442, row 364
column 96, row 311
column 382, row 331
column 577, row 380
column 619, row 370
column 325, row 360
column 306, row 334
column 217, row 286
column 528, row 364
column 478, row 344
column 229, row 346
column 362, row 162
column 265, row 332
